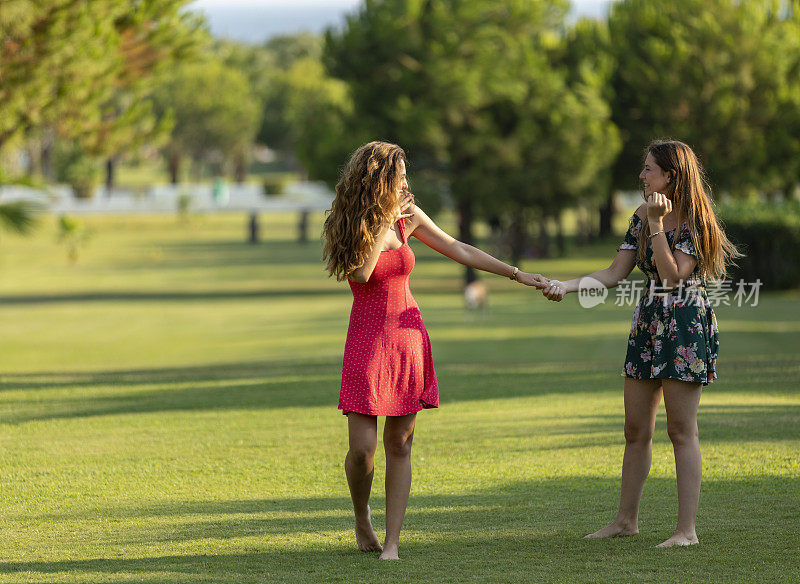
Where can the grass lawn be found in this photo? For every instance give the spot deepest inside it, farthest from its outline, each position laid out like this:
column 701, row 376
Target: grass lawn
column 168, row 415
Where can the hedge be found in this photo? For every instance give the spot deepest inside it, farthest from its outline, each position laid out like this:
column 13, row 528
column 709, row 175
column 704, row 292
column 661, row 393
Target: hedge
column 768, row 233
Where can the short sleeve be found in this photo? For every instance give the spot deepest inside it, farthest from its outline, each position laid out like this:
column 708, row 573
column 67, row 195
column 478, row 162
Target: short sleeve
column 631, row 240
column 685, row 243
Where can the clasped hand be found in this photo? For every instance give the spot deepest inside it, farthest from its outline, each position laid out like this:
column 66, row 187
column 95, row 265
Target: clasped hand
column 536, row 280
column 555, row 290
column 658, row 206
column 551, row 289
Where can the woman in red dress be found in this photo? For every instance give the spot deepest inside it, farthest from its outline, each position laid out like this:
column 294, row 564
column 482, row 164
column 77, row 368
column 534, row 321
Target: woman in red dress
column 387, row 367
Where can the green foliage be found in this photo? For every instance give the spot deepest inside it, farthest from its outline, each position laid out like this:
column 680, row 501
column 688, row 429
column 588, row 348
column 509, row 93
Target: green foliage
column 324, row 123
column 768, row 233
column 76, row 168
column 276, row 183
column 154, row 37
column 85, row 71
column 308, row 116
column 721, row 75
column 20, row 216
column 185, row 201
column 73, row 234
column 481, row 94
column 22, row 180
column 215, row 112
column 276, row 83
column 60, row 61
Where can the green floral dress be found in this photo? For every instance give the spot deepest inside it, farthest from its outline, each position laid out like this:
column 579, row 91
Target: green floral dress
column 674, row 334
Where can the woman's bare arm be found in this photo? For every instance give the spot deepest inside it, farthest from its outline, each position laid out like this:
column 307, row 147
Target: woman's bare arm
column 434, row 237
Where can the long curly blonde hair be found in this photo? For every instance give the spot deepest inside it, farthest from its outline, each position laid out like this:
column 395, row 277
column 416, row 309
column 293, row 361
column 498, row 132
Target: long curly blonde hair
column 691, row 199
column 367, row 196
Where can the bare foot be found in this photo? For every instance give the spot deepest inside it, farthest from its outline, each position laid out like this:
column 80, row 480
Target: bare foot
column 366, row 538
column 390, row 553
column 680, row 539
column 614, row 530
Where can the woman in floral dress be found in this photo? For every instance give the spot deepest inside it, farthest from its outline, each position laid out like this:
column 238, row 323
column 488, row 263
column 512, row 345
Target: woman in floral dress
column 676, row 240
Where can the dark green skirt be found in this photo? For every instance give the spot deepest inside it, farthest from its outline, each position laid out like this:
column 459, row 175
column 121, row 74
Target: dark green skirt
column 673, row 338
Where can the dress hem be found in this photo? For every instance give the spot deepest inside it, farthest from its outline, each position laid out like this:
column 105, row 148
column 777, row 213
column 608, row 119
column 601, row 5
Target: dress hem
column 424, row 406
column 704, row 383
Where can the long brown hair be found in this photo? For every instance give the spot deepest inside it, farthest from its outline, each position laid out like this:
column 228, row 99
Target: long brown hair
column 367, row 196
column 691, row 199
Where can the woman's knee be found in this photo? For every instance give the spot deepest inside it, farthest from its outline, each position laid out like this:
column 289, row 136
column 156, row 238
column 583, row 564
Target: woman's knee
column 681, row 432
column 637, row 433
column 362, row 454
column 398, row 446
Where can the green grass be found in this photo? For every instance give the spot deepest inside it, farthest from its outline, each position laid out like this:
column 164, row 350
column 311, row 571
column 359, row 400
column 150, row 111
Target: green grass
column 168, row 415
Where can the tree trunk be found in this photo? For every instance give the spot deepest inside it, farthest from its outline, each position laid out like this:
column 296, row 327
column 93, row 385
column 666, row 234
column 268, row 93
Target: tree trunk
column 544, row 237
column 302, row 227
column 607, row 216
column 253, row 228
column 240, row 167
column 519, row 237
column 588, row 233
column 174, row 166
column 562, row 244
column 465, row 234
column 110, row 174
column 34, row 152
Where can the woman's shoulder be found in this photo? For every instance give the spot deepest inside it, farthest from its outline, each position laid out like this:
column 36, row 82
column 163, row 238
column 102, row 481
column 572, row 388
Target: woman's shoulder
column 641, row 212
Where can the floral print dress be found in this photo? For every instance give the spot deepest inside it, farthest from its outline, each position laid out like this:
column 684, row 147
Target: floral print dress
column 674, row 334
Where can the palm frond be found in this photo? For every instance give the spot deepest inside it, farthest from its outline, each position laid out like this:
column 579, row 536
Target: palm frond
column 20, row 216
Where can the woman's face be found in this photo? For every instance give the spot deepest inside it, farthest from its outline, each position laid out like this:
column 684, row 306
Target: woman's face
column 403, row 180
column 653, row 178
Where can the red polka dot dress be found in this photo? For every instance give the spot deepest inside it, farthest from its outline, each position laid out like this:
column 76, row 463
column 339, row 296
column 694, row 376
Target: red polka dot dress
column 387, row 368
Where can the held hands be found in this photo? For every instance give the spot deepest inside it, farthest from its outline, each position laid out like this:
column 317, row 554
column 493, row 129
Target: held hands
column 551, row 289
column 658, row 206
column 555, row 290
column 536, row 280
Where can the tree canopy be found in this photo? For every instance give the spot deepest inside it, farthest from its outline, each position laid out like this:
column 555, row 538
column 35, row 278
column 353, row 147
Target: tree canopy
column 481, row 95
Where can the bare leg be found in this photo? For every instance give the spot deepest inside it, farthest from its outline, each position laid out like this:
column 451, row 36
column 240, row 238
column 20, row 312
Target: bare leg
column 359, row 465
column 681, row 400
column 397, row 437
column 641, row 404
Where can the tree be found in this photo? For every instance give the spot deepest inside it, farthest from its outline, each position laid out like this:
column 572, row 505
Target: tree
column 589, row 59
column 276, row 88
column 721, row 76
column 308, row 116
column 322, row 128
column 215, row 114
column 154, row 36
column 59, row 64
column 84, row 71
column 474, row 92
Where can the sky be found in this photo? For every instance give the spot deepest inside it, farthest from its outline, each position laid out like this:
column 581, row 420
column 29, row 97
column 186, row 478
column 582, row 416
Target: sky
column 257, row 20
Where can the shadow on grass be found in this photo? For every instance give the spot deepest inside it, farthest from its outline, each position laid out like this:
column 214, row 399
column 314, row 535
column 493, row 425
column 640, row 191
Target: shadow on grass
column 298, row 384
column 526, row 531
column 430, row 289
column 181, row 296
column 166, row 375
